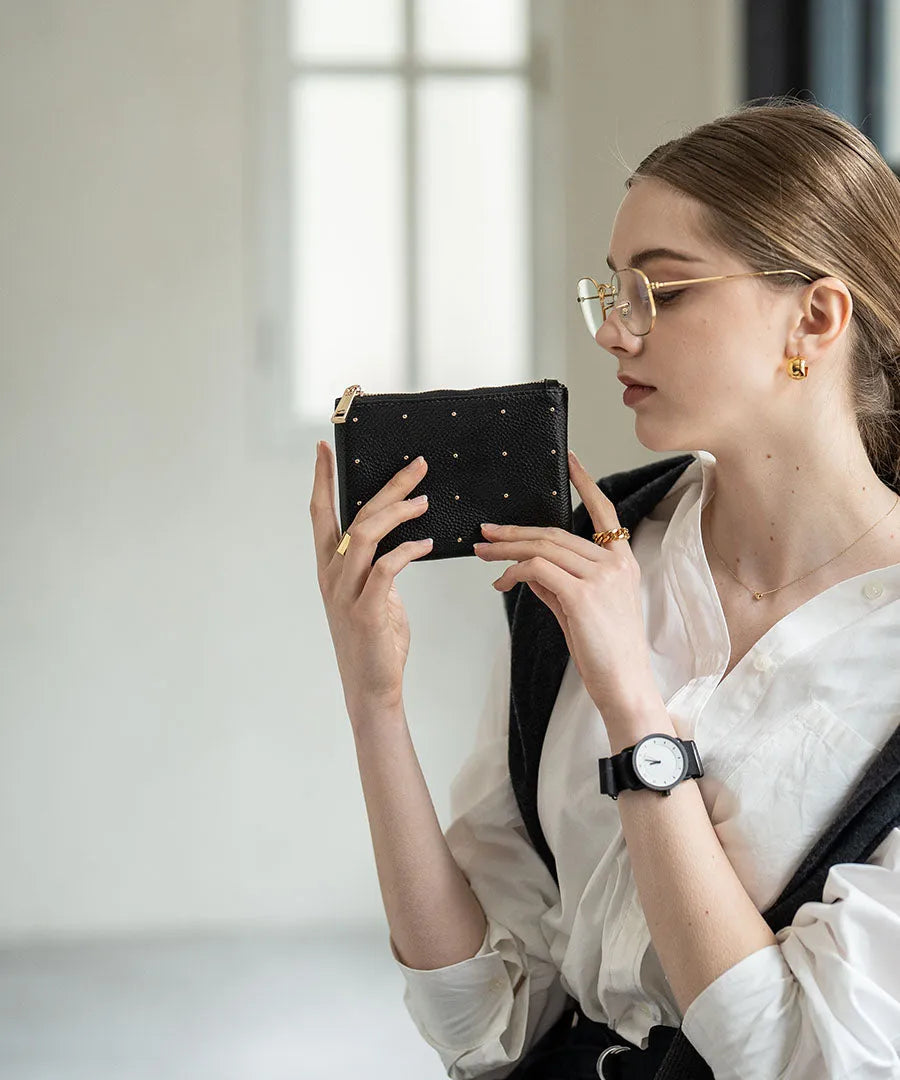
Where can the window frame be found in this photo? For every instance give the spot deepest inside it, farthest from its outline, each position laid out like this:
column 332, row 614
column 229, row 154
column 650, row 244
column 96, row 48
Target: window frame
column 799, row 47
column 272, row 422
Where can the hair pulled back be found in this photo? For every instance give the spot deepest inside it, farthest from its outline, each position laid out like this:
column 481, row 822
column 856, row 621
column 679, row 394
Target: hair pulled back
column 787, row 183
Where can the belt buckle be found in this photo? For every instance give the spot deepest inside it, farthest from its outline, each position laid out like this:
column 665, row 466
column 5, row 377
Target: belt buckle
column 608, row 1052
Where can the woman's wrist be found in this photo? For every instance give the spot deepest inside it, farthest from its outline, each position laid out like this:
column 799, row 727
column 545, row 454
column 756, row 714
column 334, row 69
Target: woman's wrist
column 367, row 716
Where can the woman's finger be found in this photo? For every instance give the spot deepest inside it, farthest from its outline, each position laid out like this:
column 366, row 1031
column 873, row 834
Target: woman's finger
column 380, row 514
column 366, row 532
column 601, row 509
column 561, row 583
column 381, row 578
column 578, row 563
column 563, row 539
column 326, row 530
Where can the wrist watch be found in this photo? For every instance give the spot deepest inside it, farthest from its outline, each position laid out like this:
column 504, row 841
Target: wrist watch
column 657, row 762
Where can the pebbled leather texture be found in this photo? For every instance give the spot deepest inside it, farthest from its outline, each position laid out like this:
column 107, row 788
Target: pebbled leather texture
column 469, row 478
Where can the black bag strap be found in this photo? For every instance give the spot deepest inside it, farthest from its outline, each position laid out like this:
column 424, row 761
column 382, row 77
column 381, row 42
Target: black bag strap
column 539, row 650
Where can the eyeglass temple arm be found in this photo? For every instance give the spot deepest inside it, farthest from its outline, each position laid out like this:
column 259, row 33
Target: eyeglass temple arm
column 725, row 277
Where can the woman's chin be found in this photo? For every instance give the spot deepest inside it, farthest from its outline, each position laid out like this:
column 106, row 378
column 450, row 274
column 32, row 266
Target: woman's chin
column 657, row 437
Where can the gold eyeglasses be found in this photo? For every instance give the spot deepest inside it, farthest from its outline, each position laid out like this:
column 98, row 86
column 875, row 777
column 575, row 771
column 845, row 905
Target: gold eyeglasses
column 634, row 297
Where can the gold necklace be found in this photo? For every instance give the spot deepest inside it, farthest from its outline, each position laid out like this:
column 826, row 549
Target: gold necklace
column 759, row 595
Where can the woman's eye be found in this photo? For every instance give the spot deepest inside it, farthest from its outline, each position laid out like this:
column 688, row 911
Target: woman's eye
column 666, row 297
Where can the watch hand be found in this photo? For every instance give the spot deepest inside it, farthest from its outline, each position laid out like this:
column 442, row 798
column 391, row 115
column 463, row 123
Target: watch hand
column 653, row 761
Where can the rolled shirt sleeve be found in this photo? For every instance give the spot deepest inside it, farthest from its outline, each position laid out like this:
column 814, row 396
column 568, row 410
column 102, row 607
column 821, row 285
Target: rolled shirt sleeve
column 482, row 1014
column 824, row 1002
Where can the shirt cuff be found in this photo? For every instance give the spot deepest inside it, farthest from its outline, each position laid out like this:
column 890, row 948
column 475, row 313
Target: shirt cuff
column 746, row 1023
column 461, row 1005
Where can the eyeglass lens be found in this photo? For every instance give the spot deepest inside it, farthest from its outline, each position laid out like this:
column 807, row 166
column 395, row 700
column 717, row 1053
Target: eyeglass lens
column 628, row 296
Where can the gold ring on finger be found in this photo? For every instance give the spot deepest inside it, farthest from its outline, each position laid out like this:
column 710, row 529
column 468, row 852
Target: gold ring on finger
column 611, row 534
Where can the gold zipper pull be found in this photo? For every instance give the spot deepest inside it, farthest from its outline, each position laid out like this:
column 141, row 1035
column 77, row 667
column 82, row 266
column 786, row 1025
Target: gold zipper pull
column 339, row 416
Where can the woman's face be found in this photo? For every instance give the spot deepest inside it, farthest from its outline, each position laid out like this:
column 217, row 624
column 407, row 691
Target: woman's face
column 716, row 351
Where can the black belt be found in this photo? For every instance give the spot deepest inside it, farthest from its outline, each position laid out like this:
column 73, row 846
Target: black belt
column 577, row 1048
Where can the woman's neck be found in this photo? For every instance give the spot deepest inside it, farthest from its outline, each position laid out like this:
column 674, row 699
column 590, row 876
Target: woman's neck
column 775, row 517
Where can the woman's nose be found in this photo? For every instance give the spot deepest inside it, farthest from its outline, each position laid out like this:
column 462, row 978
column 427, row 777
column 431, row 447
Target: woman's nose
column 613, row 334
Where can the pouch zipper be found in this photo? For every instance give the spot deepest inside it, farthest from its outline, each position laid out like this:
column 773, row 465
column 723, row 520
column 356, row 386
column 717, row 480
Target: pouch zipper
column 339, row 416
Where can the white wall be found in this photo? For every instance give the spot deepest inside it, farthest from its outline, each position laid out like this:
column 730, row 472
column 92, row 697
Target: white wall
column 634, row 75
column 173, row 747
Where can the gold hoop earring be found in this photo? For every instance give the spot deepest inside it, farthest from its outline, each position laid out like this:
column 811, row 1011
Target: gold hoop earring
column 796, row 366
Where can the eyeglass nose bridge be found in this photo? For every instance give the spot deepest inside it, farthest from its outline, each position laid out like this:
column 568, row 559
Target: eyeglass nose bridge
column 608, row 294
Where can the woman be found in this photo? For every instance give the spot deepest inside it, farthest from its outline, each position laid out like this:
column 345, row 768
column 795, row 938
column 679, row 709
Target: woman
column 755, row 613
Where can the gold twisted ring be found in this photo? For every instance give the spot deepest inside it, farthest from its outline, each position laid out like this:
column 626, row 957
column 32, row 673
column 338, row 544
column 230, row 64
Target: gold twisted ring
column 611, row 534
column 598, row 538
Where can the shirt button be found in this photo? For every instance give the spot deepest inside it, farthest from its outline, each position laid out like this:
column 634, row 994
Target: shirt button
column 872, row 590
column 497, row 985
column 763, row 663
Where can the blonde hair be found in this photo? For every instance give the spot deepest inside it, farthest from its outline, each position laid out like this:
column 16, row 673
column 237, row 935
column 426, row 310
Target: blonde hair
column 787, row 183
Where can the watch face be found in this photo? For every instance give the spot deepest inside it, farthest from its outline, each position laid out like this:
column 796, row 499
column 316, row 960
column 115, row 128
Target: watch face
column 659, row 762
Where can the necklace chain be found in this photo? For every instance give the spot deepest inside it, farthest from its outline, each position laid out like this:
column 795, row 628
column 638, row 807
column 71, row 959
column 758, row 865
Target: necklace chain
column 759, row 595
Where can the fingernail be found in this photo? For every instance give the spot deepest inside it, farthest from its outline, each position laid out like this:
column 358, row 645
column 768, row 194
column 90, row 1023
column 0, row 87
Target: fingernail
column 488, row 525
column 418, row 461
column 419, row 499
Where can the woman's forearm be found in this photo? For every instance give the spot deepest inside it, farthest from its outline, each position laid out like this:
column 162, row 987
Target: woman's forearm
column 435, row 919
column 700, row 918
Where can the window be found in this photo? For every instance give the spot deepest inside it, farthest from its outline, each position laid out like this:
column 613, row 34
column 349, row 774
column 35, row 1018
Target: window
column 397, row 214
column 887, row 65
column 846, row 53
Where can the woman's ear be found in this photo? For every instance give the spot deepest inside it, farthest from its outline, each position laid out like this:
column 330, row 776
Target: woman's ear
column 824, row 316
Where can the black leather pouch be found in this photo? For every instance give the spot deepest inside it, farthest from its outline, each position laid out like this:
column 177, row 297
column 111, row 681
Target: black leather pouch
column 494, row 453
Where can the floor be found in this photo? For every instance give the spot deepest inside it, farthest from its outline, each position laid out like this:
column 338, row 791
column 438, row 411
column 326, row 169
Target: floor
column 268, row 1006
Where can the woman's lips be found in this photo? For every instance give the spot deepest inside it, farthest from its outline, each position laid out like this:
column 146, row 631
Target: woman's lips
column 635, row 393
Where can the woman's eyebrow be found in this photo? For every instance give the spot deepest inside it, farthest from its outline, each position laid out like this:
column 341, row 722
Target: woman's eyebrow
column 645, row 256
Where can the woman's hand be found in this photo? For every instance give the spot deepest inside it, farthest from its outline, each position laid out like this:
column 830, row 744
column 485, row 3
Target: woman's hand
column 366, row 616
column 594, row 592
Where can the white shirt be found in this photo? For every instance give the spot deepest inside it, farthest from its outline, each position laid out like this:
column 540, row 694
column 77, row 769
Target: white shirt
column 783, row 738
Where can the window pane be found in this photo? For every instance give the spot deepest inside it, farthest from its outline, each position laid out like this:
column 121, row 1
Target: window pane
column 836, row 31
column 471, row 30
column 890, row 147
column 346, row 29
column 348, row 237
column 473, row 258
